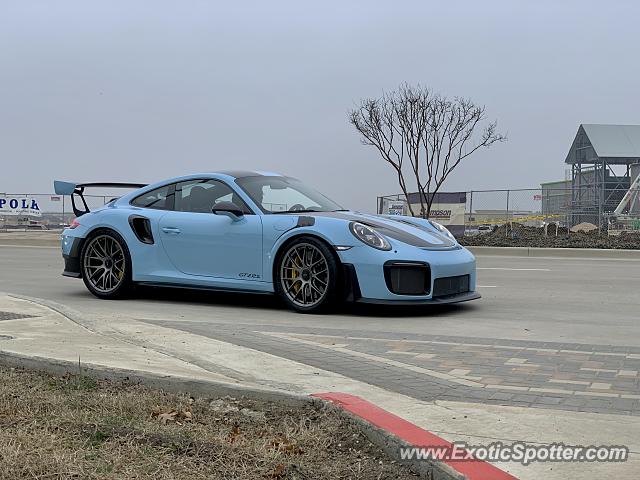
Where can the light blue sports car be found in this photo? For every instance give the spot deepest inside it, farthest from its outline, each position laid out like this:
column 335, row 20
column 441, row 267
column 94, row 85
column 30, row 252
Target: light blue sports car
column 263, row 233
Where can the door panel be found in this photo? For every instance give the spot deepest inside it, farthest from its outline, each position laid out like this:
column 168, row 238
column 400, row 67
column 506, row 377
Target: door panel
column 213, row 245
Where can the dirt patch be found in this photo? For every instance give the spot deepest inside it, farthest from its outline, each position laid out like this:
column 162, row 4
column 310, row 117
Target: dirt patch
column 523, row 236
column 76, row 427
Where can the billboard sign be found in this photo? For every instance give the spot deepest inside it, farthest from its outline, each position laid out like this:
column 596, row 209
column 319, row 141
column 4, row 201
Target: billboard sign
column 396, row 207
column 19, row 206
column 448, row 213
column 448, row 208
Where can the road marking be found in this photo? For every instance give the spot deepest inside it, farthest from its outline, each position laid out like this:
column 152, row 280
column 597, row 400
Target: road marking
column 601, row 386
column 517, row 388
column 487, row 286
column 569, row 382
column 603, row 370
column 516, row 269
column 597, row 394
column 551, row 390
column 425, row 356
column 515, row 361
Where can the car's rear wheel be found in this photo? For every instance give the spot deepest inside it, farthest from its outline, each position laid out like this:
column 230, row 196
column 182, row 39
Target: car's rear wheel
column 307, row 275
column 106, row 265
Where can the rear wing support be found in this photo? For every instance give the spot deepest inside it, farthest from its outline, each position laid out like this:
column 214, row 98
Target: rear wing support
column 77, row 189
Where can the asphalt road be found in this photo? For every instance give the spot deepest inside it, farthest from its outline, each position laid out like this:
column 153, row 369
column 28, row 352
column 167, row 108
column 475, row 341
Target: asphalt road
column 592, row 301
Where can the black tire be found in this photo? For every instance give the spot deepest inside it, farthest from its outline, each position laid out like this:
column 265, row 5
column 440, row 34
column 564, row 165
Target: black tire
column 110, row 279
column 302, row 283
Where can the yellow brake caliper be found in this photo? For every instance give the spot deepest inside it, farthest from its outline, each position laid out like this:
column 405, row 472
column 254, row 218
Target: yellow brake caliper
column 294, row 275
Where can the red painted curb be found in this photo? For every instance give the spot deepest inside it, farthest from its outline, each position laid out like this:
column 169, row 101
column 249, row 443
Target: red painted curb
column 412, row 434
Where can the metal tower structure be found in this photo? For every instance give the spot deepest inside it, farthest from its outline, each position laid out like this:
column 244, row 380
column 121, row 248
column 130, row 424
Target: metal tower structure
column 596, row 188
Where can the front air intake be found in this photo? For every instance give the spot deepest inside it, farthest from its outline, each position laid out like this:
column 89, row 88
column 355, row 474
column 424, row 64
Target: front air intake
column 447, row 286
column 408, row 278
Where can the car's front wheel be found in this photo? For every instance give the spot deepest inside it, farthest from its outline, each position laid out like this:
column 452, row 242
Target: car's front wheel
column 306, row 275
column 106, row 265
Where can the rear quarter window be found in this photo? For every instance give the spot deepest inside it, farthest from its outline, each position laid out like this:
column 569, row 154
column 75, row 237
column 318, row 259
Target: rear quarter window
column 160, row 198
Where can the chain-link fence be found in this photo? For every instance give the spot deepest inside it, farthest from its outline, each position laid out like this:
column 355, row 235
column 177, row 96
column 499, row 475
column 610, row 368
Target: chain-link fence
column 485, row 209
column 52, row 212
column 468, row 212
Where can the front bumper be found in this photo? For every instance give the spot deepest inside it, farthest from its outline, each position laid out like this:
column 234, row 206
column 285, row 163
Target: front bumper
column 463, row 297
column 367, row 282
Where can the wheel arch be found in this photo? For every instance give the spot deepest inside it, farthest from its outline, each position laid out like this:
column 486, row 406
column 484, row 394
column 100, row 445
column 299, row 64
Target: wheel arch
column 113, row 219
column 98, row 228
column 284, row 241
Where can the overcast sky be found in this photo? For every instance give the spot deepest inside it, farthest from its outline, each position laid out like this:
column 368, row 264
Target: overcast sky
column 145, row 90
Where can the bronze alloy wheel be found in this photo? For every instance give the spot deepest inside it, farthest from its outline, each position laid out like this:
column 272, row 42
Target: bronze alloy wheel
column 304, row 275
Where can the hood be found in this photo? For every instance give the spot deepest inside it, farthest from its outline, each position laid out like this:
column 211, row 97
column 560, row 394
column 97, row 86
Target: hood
column 408, row 231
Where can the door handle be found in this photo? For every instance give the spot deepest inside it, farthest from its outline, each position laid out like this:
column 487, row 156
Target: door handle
column 171, row 230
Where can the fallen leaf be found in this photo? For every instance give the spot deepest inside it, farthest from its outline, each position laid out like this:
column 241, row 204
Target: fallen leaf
column 277, row 472
column 283, row 444
column 167, row 417
column 235, row 432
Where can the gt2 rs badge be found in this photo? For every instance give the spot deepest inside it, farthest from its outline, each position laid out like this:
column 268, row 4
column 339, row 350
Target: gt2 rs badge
column 248, row 275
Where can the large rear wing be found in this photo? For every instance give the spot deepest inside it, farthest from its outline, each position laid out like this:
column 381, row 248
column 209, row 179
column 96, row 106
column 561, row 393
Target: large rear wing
column 77, row 189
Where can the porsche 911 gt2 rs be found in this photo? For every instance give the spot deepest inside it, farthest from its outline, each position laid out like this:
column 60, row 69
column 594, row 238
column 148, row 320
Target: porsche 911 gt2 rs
column 263, row 233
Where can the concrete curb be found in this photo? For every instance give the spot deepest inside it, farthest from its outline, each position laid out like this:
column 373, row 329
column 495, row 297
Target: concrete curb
column 396, row 433
column 556, row 252
column 391, row 445
column 168, row 383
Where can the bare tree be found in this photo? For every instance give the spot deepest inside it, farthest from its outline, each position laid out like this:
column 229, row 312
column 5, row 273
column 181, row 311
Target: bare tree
column 423, row 136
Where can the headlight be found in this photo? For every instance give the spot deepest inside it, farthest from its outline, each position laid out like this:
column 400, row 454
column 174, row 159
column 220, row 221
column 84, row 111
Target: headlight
column 442, row 229
column 369, row 236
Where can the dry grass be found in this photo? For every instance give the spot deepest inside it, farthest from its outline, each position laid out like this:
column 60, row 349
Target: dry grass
column 75, row 427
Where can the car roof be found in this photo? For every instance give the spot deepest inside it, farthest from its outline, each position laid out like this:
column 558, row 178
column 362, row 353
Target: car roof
column 247, row 173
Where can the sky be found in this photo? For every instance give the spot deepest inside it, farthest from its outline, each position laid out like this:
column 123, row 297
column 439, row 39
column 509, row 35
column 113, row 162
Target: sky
column 144, row 90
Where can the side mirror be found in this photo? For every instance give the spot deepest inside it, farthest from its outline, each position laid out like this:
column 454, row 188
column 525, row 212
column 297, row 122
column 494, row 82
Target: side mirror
column 229, row 209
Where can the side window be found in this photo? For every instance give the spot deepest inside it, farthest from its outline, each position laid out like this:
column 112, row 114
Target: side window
column 160, row 199
column 199, row 196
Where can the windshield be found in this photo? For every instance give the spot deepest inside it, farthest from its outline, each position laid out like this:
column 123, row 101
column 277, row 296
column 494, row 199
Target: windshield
column 284, row 194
